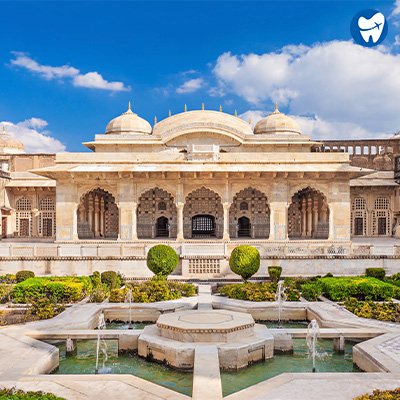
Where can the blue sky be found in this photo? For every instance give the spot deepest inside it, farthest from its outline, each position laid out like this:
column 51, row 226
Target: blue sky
column 68, row 68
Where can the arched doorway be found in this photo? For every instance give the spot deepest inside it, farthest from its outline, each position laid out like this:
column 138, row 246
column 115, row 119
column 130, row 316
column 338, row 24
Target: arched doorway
column 381, row 217
column 98, row 216
column 243, row 227
column 204, row 203
column 24, row 216
column 156, row 214
column 308, row 215
column 162, row 227
column 359, row 216
column 203, row 226
column 249, row 215
column 47, row 217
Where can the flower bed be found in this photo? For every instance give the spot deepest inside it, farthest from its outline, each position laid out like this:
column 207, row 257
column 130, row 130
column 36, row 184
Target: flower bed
column 154, row 290
column 13, row 394
column 256, row 292
column 389, row 311
column 381, row 395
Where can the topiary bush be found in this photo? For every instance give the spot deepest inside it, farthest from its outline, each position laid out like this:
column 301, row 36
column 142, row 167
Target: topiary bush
column 274, row 273
column 245, row 261
column 162, row 260
column 21, row 276
column 378, row 273
column 109, row 278
column 96, row 279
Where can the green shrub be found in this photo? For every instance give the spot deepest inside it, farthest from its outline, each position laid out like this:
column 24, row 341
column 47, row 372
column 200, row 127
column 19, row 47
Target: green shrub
column 63, row 289
column 311, row 291
column 96, row 279
column 21, row 276
column 162, row 260
column 99, row 294
column 43, row 308
column 120, row 279
column 5, row 292
column 151, row 291
column 368, row 309
column 360, row 287
column 8, row 278
column 13, row 394
column 245, row 261
column 381, row 395
column 378, row 273
column 109, row 278
column 256, row 292
column 274, row 273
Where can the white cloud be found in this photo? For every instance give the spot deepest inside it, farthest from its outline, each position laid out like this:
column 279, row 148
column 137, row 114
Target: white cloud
column 396, row 10
column 396, row 40
column 92, row 80
column 255, row 116
column 340, row 82
column 190, row 86
column 28, row 132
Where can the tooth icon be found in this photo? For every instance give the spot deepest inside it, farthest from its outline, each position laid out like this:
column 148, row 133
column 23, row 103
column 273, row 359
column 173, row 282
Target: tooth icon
column 372, row 27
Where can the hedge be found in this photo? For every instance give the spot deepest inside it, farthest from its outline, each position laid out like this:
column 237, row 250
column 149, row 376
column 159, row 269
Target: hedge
column 274, row 273
column 381, row 395
column 378, row 273
column 21, row 276
column 13, row 394
column 63, row 289
column 245, row 261
column 389, row 311
column 109, row 278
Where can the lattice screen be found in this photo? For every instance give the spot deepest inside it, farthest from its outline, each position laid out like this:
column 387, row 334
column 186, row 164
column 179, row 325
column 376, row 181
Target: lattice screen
column 358, row 210
column 381, row 221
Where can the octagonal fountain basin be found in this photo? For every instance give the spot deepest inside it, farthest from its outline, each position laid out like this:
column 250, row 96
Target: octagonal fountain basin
column 240, row 341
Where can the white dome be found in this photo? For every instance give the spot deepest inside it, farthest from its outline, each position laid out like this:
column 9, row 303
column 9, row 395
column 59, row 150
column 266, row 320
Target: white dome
column 128, row 123
column 277, row 123
column 8, row 144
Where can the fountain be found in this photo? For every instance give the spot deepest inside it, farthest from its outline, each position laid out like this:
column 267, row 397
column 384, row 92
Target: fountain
column 129, row 298
column 312, row 336
column 280, row 298
column 101, row 325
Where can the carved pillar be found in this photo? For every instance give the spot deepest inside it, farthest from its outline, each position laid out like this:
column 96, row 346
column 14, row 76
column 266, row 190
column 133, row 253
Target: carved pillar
column 90, row 212
column 303, row 217
column 134, row 221
column 179, row 209
column 96, row 216
column 309, row 216
column 226, row 221
column 102, row 219
column 315, row 214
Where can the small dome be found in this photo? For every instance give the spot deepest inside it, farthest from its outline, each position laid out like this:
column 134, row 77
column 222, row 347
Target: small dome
column 128, row 123
column 396, row 136
column 279, row 123
column 8, row 144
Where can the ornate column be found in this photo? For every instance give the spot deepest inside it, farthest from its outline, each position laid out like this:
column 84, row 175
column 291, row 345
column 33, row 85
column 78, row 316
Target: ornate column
column 315, row 214
column 179, row 209
column 134, row 221
column 96, row 216
column 303, row 217
column 309, row 217
column 90, row 212
column 226, row 221
column 102, row 222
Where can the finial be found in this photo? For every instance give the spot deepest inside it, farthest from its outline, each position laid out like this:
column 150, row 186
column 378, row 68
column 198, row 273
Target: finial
column 276, row 106
column 185, row 108
column 129, row 106
column 202, row 106
column 155, row 119
column 169, row 112
column 220, row 108
column 250, row 120
column 235, row 113
column 4, row 129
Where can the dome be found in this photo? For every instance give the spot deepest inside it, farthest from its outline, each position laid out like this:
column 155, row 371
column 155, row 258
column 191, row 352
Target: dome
column 8, row 144
column 128, row 123
column 396, row 136
column 278, row 123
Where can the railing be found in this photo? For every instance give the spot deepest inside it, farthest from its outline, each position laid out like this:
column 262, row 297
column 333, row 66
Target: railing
column 191, row 250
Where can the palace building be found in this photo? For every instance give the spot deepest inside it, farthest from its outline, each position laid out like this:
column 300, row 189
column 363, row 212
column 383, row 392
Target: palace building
column 202, row 177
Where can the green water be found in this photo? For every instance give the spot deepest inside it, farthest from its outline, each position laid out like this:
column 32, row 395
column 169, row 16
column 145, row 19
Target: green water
column 287, row 325
column 296, row 362
column 125, row 325
column 84, row 362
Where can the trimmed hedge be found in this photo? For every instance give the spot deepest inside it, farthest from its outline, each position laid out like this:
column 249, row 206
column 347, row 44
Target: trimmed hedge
column 151, row 291
column 361, row 288
column 109, row 278
column 162, row 260
column 245, row 261
column 274, row 273
column 63, row 289
column 256, row 292
column 21, row 276
column 378, row 273
column 13, row 394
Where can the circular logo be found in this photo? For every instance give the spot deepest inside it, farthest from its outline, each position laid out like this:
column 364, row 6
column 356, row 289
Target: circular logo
column 369, row 28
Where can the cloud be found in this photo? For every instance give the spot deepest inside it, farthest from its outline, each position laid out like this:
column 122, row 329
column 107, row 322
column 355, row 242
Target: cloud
column 92, row 80
column 396, row 40
column 396, row 10
column 255, row 116
column 190, row 86
column 340, row 83
column 28, row 132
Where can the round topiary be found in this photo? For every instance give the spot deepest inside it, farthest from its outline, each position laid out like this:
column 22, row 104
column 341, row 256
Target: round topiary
column 245, row 261
column 109, row 278
column 21, row 276
column 274, row 273
column 162, row 260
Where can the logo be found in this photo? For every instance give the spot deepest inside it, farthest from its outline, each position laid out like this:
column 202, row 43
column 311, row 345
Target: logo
column 369, row 28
